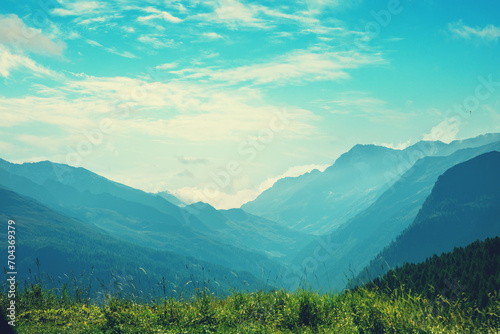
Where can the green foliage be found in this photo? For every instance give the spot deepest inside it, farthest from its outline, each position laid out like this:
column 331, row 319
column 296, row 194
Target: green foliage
column 469, row 273
column 363, row 310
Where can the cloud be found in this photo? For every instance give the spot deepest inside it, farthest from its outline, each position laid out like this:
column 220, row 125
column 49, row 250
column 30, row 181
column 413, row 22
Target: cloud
column 356, row 102
column 158, row 14
column 212, row 35
column 14, row 32
column 94, row 43
column 191, row 161
column 10, row 62
column 128, row 29
column 156, row 41
column 446, row 131
column 125, row 54
column 487, row 33
column 400, row 146
column 78, row 8
column 234, row 14
column 222, row 199
column 166, row 66
column 99, row 19
column 294, row 67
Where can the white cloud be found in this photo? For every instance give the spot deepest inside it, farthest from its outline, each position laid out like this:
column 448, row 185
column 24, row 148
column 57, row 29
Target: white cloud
column 158, row 14
column 99, row 19
column 235, row 14
column 222, row 199
column 78, row 8
column 212, row 35
column 125, row 54
column 156, row 41
column 446, row 131
column 14, row 32
column 128, row 29
column 487, row 33
column 166, row 66
column 295, row 67
column 357, row 102
column 10, row 62
column 399, row 146
column 94, row 43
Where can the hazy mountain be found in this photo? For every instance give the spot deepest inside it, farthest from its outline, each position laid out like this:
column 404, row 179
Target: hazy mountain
column 129, row 214
column 320, row 202
column 464, row 206
column 251, row 232
column 365, row 235
column 64, row 245
column 171, row 198
column 83, row 180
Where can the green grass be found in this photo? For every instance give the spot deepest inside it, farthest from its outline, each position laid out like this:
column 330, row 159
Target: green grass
column 363, row 310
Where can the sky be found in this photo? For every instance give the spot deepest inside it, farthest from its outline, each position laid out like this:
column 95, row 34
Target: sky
column 216, row 100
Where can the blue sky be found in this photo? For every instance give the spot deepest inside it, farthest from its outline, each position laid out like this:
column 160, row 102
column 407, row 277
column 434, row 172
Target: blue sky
column 215, row 100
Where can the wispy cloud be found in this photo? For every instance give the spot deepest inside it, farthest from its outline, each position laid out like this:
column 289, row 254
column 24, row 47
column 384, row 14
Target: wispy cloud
column 156, row 41
column 158, row 14
column 234, row 14
column 14, row 32
column 191, row 160
column 166, row 66
column 10, row 62
column 355, row 102
column 211, row 35
column 295, row 67
column 78, row 8
column 486, row 33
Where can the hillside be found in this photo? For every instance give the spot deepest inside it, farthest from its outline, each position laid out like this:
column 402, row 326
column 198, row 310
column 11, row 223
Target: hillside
column 129, row 214
column 464, row 206
column 471, row 272
column 251, row 232
column 64, row 245
column 363, row 237
column 320, row 202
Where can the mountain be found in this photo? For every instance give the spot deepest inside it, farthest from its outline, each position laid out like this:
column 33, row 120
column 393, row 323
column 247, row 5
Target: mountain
column 464, row 206
column 63, row 245
column 128, row 214
column 171, row 198
column 354, row 244
column 320, row 202
column 470, row 272
column 251, row 232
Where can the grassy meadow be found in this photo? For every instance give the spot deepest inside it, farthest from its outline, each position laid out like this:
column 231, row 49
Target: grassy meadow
column 362, row 310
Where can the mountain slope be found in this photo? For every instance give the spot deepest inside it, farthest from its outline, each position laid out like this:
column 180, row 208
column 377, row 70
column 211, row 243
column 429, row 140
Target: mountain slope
column 251, row 232
column 359, row 240
column 318, row 202
column 133, row 216
column 472, row 272
column 64, row 245
column 464, row 206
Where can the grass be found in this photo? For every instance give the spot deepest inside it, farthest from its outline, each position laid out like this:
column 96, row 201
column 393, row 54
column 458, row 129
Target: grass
column 363, row 310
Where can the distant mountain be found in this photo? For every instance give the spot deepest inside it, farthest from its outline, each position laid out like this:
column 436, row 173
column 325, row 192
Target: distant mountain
column 470, row 272
column 320, row 202
column 365, row 235
column 64, row 245
column 251, row 232
column 129, row 214
column 464, row 206
column 171, row 198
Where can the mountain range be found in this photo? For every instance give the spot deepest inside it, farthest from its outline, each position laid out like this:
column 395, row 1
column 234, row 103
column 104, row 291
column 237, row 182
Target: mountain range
column 318, row 229
column 463, row 207
column 320, row 202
